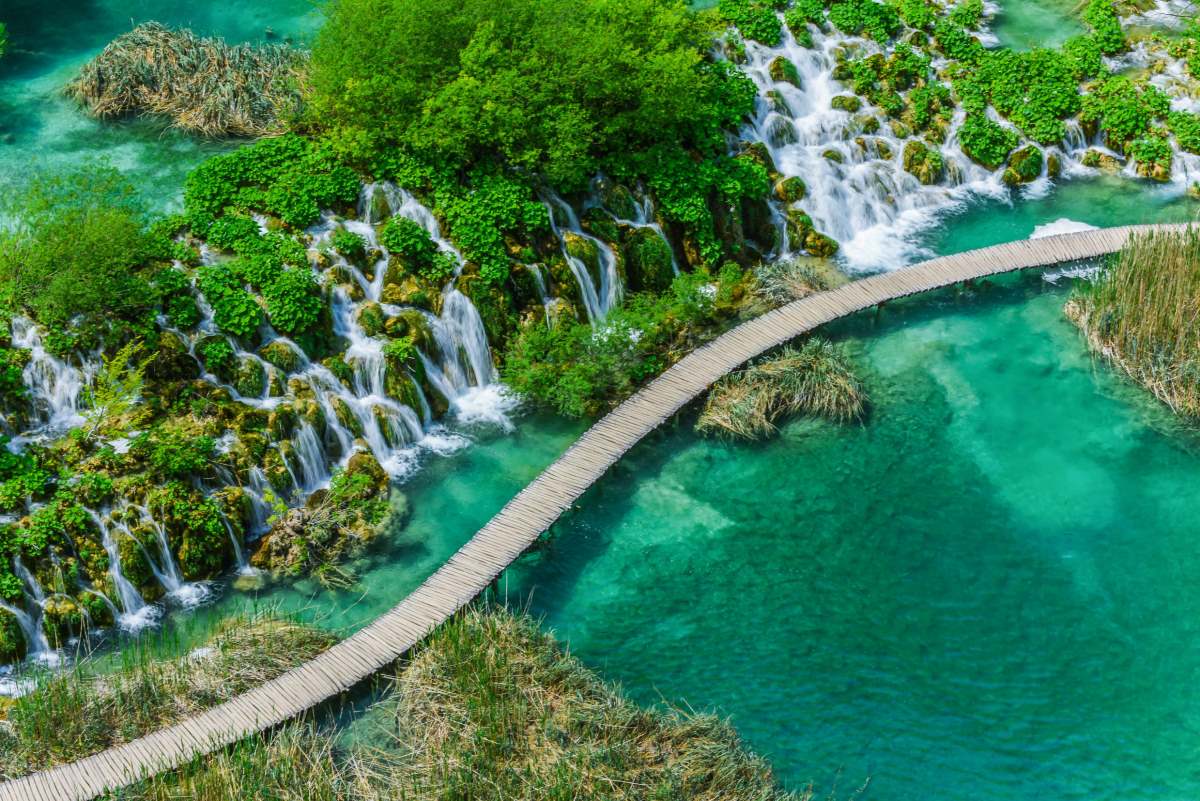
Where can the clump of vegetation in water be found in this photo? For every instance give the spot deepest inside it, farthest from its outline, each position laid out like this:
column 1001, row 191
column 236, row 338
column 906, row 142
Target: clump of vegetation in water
column 815, row 379
column 1140, row 314
column 91, row 707
column 204, row 86
column 780, row 282
column 490, row 708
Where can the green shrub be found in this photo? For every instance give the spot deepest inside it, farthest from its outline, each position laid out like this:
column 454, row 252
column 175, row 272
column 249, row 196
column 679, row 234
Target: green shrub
column 74, row 244
column 290, row 177
column 967, row 14
column 755, row 20
column 293, row 301
column 985, row 141
column 1123, row 109
column 348, row 243
column 234, row 309
column 217, row 355
column 1186, row 127
column 1102, row 18
column 879, row 21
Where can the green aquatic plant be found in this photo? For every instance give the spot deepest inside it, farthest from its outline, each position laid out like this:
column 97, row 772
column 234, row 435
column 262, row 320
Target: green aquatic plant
column 756, row 20
column 816, row 379
column 1102, row 18
column 986, row 141
column 203, row 86
column 1140, row 313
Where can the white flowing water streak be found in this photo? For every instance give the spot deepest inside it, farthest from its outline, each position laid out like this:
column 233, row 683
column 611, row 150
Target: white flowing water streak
column 601, row 293
column 54, row 385
column 643, row 218
column 135, row 613
column 30, row 619
column 166, row 569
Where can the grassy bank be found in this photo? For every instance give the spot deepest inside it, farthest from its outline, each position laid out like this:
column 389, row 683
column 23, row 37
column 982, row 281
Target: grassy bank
column 815, row 379
column 489, row 707
column 87, row 710
column 1141, row 314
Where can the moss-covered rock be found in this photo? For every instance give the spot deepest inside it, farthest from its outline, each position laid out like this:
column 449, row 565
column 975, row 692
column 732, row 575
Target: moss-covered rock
column 282, row 356
column 833, row 155
column 799, row 225
column 789, row 190
column 1024, row 165
column 923, row 162
column 781, row 131
column 784, row 71
column 1100, row 160
column 172, row 361
column 1053, row 165
column 760, row 153
column 818, row 244
column 648, row 261
column 250, row 380
column 371, row 318
column 848, row 103
column 778, row 103
column 378, row 207
column 586, row 251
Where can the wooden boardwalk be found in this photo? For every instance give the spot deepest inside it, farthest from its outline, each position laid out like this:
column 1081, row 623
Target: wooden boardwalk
column 494, row 547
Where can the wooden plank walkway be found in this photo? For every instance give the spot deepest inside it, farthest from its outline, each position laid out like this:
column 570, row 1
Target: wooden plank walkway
column 507, row 535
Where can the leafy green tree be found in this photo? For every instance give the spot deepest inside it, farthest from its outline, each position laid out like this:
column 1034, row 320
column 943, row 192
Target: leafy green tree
column 74, row 246
column 555, row 87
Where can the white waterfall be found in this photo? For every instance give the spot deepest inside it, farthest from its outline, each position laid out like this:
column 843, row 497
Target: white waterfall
column 601, row 294
column 165, row 568
column 135, row 613
column 30, row 619
column 54, row 385
column 643, row 218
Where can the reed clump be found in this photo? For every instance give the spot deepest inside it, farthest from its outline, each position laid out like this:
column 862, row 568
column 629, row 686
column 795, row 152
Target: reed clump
column 816, row 379
column 780, row 282
column 203, row 85
column 490, row 708
column 1142, row 313
column 84, row 711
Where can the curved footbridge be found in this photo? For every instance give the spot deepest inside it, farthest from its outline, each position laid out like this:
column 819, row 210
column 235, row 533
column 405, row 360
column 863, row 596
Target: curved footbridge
column 469, row 571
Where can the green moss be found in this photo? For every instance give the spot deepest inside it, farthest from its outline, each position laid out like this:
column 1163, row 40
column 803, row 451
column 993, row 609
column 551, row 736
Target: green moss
column 923, row 162
column 985, row 141
column 1024, row 166
column 848, row 103
column 647, row 261
column 782, row 70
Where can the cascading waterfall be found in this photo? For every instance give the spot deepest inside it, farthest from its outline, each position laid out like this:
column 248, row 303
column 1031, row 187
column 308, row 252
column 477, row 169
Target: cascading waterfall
column 601, row 294
column 30, row 619
column 135, row 614
column 54, row 385
column 643, row 218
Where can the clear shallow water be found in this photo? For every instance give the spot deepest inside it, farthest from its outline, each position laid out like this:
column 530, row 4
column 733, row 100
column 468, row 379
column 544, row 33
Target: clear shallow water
column 1041, row 23
column 50, row 41
column 990, row 590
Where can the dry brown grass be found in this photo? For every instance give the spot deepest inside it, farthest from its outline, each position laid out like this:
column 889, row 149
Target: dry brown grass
column 204, row 86
column 815, row 379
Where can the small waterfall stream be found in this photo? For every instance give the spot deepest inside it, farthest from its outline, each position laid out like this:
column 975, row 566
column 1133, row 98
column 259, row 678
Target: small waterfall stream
column 601, row 293
column 54, row 385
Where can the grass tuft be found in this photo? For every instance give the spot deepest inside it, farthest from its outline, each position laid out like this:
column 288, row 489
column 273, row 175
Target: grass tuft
column 204, row 86
column 815, row 379
column 1142, row 313
column 86, row 710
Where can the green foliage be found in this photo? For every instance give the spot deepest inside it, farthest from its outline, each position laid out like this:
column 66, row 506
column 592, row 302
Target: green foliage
column 1153, row 155
column 217, row 355
column 293, row 301
column 234, row 309
column 348, row 243
column 401, row 351
column 1186, row 127
column 290, row 177
column 1124, row 109
column 479, row 215
column 173, row 453
column 1036, row 90
column 3, row 39
column 556, row 87
column 74, row 244
column 919, row 14
column 1083, row 57
column 116, row 387
column 802, row 13
column 967, row 14
column 755, row 20
column 955, row 43
column 879, row 21
column 1102, row 18
column 577, row 370
column 985, row 141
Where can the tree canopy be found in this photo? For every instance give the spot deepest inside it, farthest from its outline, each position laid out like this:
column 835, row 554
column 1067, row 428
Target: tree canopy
column 558, row 87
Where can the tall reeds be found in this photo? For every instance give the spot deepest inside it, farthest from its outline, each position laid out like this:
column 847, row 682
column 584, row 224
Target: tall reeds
column 204, row 86
column 815, row 379
column 1142, row 313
